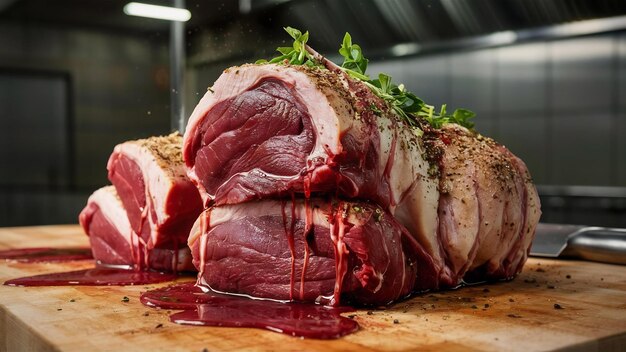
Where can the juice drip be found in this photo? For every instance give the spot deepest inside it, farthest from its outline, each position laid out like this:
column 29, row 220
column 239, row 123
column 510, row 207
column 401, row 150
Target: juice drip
column 391, row 162
column 98, row 276
column 180, row 296
column 292, row 246
column 213, row 309
column 337, row 231
column 138, row 248
column 175, row 259
column 135, row 251
column 205, row 219
column 46, row 254
column 144, row 217
column 142, row 255
column 290, row 240
column 308, row 224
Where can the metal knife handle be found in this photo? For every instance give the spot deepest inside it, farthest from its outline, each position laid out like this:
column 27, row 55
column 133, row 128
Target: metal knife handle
column 598, row 244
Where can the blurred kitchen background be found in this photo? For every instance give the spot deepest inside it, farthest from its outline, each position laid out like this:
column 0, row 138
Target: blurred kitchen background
column 547, row 78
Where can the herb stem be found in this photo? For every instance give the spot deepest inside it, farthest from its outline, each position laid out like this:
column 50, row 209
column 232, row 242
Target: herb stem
column 406, row 105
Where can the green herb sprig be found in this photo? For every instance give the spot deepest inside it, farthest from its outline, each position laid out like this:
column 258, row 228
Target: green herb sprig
column 459, row 116
column 354, row 63
column 296, row 54
column 403, row 103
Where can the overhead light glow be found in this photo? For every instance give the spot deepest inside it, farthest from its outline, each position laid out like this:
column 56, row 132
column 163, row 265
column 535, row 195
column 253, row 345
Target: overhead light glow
column 502, row 38
column 405, row 49
column 155, row 11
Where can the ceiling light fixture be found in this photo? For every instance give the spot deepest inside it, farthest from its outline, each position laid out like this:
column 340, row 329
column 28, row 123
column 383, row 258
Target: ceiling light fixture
column 155, row 11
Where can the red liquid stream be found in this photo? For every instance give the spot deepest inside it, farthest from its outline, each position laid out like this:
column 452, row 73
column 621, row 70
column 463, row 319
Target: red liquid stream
column 289, row 233
column 45, row 254
column 97, row 276
column 212, row 309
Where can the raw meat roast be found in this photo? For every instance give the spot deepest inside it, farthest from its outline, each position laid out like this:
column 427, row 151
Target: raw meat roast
column 114, row 243
column 104, row 220
column 152, row 207
column 317, row 191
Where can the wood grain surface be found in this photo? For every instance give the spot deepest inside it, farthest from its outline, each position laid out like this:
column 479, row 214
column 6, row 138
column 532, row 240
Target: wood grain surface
column 518, row 316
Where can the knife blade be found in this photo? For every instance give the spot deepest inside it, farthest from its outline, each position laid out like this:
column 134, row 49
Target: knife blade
column 600, row 244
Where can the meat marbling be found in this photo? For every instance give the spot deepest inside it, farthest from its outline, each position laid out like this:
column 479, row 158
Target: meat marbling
column 288, row 250
column 280, row 131
column 150, row 178
column 114, row 243
column 154, row 204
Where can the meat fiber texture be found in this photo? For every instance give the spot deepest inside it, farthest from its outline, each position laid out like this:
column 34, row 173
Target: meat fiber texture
column 279, row 131
column 159, row 199
column 114, row 243
column 290, row 250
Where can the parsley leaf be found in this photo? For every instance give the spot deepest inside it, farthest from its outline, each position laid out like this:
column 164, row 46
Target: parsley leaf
column 354, row 63
column 403, row 103
column 296, row 54
column 463, row 116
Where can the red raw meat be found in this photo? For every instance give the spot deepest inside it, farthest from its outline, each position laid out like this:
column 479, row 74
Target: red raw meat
column 114, row 243
column 280, row 131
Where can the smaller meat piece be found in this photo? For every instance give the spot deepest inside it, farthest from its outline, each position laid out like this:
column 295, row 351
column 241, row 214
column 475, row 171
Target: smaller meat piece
column 161, row 202
column 105, row 222
column 114, row 243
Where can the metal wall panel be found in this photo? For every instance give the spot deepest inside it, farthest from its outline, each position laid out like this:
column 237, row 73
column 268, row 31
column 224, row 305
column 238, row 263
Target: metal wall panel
column 620, row 152
column 473, row 77
column 580, row 151
column 621, row 57
column 396, row 69
column 488, row 125
column 429, row 78
column 522, row 78
column 526, row 136
column 582, row 73
column 620, row 118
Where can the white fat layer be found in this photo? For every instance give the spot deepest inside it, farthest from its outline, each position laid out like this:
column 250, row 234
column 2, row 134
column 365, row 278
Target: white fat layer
column 158, row 181
column 195, row 231
column 270, row 207
column 415, row 193
column 225, row 213
column 112, row 209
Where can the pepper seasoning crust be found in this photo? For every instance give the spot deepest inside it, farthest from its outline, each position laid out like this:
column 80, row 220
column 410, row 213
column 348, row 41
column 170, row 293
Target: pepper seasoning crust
column 167, row 152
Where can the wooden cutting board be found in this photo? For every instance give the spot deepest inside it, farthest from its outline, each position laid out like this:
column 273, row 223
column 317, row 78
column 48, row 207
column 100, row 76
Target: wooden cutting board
column 518, row 315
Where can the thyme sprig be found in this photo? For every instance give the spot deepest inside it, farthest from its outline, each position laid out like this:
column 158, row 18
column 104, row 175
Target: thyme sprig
column 403, row 103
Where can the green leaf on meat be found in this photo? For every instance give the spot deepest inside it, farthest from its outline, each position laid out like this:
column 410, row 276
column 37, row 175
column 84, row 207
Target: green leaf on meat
column 403, row 103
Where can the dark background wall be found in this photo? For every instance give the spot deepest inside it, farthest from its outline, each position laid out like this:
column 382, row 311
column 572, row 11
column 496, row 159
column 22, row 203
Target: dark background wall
column 99, row 88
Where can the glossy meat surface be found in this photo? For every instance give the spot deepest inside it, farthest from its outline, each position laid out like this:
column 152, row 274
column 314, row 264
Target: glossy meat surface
column 269, row 131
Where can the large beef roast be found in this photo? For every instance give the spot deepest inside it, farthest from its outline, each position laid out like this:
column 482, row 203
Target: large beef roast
column 278, row 131
column 114, row 243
